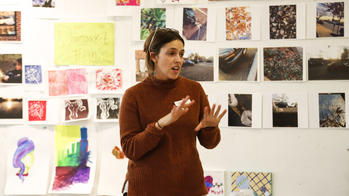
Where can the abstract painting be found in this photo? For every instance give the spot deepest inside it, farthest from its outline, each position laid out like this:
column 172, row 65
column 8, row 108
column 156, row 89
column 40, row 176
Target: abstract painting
column 77, row 82
column 257, row 183
column 240, row 110
column 285, row 110
column 74, row 164
column 11, row 108
column 10, row 68
column 282, row 22
column 284, row 63
column 67, row 82
column 195, row 23
column 152, row 18
column 23, row 158
column 238, row 64
column 37, row 110
column 214, row 181
column 128, row 2
column 57, row 80
column 198, row 64
column 44, row 3
column 108, row 79
column 238, row 23
column 107, row 109
column 330, row 19
column 33, row 74
column 332, row 110
column 76, row 109
column 10, row 26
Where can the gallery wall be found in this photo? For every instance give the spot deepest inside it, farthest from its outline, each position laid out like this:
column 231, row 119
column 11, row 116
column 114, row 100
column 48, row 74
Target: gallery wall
column 304, row 160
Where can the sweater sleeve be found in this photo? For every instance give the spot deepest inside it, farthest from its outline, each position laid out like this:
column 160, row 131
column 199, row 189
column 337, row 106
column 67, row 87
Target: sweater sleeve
column 209, row 137
column 135, row 141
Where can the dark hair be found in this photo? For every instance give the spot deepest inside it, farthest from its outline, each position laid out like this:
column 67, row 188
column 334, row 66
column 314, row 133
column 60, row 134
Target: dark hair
column 154, row 42
column 19, row 61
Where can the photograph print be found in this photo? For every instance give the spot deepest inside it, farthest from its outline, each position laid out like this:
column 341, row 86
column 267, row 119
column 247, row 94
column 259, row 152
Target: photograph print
column 107, row 108
column 198, row 65
column 330, row 19
column 44, row 3
column 10, row 69
column 128, row 2
column 332, row 110
column 195, row 23
column 240, row 110
column 141, row 68
column 282, row 22
column 238, row 23
column 285, row 110
column 10, row 26
column 152, row 18
column 11, row 108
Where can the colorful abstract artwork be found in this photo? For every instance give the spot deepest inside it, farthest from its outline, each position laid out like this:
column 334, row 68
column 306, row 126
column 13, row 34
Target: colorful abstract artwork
column 44, row 3
column 77, row 83
column 37, row 110
column 108, row 79
column 73, row 164
column 33, row 74
column 10, row 26
column 282, row 22
column 23, row 157
column 67, row 82
column 11, row 108
column 238, row 23
column 152, row 18
column 128, row 2
column 214, row 181
column 330, row 19
column 332, row 110
column 240, row 110
column 195, row 23
column 76, row 109
column 10, row 68
column 258, row 183
column 108, row 108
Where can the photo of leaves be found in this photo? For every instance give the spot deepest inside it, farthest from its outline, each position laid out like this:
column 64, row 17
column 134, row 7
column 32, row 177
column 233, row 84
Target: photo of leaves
column 283, row 22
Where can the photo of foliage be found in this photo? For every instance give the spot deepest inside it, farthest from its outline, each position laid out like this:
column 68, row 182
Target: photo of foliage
column 328, row 63
column 238, row 22
column 152, row 18
column 198, row 65
column 332, row 110
column 284, row 63
column 10, row 26
column 44, row 3
column 282, row 22
column 194, row 23
column 330, row 19
column 128, row 2
column 285, row 110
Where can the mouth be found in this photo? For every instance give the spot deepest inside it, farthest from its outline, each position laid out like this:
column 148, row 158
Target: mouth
column 176, row 68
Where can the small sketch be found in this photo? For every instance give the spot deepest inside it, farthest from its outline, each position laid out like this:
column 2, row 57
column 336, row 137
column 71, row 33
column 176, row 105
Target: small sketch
column 283, row 22
column 37, row 110
column 23, row 157
column 33, row 74
column 76, row 109
column 108, row 108
column 332, row 110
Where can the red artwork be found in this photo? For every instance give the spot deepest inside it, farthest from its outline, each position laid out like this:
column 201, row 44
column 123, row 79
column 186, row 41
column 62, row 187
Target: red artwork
column 108, row 79
column 37, row 110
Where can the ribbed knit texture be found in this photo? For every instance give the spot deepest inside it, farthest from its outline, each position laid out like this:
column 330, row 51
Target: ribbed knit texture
column 164, row 162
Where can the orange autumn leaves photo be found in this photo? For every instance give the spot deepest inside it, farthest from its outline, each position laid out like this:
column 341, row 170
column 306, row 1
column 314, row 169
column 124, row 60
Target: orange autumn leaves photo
column 238, row 23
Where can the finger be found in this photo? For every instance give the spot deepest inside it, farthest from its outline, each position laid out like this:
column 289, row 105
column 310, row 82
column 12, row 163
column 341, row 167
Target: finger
column 197, row 128
column 222, row 114
column 189, row 104
column 205, row 112
column 217, row 112
column 212, row 109
column 184, row 101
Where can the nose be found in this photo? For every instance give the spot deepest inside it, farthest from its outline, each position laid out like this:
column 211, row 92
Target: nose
column 179, row 58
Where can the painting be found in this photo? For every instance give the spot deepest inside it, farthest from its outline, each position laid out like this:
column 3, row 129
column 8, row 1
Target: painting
column 198, row 64
column 11, row 108
column 10, row 26
column 195, row 23
column 57, row 80
column 332, row 110
column 44, row 3
column 141, row 68
column 238, row 23
column 284, row 63
column 283, row 22
column 108, row 79
column 77, row 82
column 251, row 183
column 171, row 2
column 76, row 109
column 28, row 161
column 74, row 160
column 328, row 63
column 67, row 82
column 10, row 69
column 107, row 108
column 84, row 43
column 330, row 19
column 128, row 2
column 152, row 18
column 238, row 64
column 214, row 181
column 37, row 110
column 33, row 74
column 285, row 110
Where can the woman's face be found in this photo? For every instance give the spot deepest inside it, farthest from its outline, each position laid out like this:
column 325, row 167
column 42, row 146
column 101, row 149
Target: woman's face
column 168, row 62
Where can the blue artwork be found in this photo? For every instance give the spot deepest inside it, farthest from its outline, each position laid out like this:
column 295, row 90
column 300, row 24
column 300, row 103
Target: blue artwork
column 33, row 74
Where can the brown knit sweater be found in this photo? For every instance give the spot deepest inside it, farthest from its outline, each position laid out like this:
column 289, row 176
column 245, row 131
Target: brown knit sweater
column 164, row 162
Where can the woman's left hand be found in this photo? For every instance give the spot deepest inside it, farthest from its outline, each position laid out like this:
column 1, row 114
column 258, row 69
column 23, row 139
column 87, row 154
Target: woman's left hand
column 211, row 117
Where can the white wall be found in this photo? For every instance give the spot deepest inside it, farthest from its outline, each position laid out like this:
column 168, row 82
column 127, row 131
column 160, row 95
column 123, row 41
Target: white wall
column 304, row 162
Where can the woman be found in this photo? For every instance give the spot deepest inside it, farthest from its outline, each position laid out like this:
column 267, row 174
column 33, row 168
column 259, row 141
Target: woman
column 158, row 137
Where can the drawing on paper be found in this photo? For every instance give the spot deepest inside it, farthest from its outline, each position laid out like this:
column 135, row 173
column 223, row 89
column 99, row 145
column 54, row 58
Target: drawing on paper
column 240, row 110
column 11, row 108
column 328, row 63
column 284, row 63
column 256, row 183
column 285, row 110
column 283, row 22
column 152, row 18
column 195, row 23
column 128, row 2
column 198, row 65
column 332, row 110
column 33, row 74
column 108, row 79
column 214, row 181
column 67, row 82
column 10, row 26
column 23, row 158
column 44, row 3
column 238, row 64
column 77, row 82
column 76, row 109
column 57, row 82
column 36, row 110
column 72, row 157
column 238, row 23
column 108, row 108
column 10, row 68
column 330, row 19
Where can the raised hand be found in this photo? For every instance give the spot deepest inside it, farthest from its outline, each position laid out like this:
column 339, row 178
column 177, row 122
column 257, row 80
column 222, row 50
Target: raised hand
column 211, row 117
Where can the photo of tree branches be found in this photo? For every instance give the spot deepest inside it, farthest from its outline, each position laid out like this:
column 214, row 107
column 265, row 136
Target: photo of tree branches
column 152, row 18
column 284, row 63
column 330, row 19
column 332, row 110
column 282, row 22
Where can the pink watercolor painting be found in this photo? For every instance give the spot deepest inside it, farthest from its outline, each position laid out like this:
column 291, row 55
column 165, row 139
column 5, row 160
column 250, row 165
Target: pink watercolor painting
column 77, row 83
column 57, row 83
column 128, row 2
column 108, row 79
column 37, row 110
